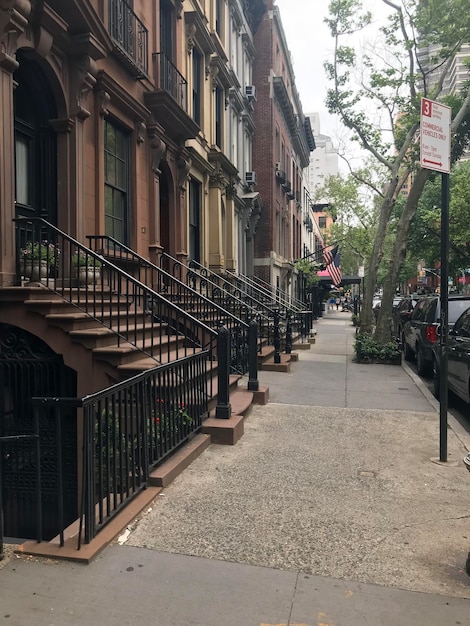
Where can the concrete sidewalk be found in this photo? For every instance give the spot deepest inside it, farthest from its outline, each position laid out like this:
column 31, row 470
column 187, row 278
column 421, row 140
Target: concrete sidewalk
column 330, row 510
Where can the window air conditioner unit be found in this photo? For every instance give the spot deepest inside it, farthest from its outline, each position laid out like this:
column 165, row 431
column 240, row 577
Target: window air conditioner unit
column 280, row 177
column 250, row 92
column 250, row 178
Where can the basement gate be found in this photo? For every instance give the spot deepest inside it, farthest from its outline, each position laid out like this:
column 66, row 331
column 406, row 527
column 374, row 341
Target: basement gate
column 29, row 368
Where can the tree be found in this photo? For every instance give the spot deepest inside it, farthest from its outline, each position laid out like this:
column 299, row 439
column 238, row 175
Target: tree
column 424, row 235
column 388, row 81
column 355, row 217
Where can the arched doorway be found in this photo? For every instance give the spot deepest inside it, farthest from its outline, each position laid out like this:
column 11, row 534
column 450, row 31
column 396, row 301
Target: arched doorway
column 35, row 142
column 29, row 368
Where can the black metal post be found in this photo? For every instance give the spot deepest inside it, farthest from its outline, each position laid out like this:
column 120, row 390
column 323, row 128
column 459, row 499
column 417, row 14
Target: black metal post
column 1, row 505
column 444, row 328
column 316, row 302
column 60, row 473
column 277, row 337
column 223, row 409
column 253, row 383
column 38, row 476
column 288, row 333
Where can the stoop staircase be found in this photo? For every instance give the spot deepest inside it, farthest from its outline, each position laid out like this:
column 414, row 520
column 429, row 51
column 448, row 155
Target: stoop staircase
column 139, row 356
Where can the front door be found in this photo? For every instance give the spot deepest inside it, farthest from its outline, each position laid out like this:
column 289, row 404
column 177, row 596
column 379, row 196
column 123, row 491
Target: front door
column 35, row 143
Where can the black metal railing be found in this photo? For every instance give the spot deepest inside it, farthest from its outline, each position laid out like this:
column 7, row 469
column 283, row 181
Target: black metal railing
column 214, row 309
column 220, row 290
column 129, row 34
column 127, row 429
column 276, row 296
column 138, row 315
column 265, row 299
column 296, row 314
column 169, row 79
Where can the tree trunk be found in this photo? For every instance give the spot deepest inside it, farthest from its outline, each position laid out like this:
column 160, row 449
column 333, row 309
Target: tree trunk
column 370, row 280
column 383, row 331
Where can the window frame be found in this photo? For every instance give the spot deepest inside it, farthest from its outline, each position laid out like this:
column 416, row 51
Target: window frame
column 124, row 192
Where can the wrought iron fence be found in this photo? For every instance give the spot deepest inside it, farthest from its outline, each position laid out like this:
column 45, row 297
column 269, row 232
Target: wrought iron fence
column 127, row 429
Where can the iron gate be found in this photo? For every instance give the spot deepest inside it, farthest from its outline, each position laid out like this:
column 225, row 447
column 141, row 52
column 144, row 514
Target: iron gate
column 28, row 368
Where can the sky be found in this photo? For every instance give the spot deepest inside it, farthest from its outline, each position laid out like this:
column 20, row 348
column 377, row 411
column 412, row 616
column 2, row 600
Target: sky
column 311, row 44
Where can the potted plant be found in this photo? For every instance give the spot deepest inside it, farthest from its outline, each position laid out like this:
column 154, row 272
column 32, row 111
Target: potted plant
column 37, row 258
column 87, row 267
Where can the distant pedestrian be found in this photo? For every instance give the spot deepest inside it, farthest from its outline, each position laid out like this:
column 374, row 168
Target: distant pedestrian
column 337, row 302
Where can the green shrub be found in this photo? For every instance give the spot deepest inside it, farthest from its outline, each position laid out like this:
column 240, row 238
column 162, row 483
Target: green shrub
column 367, row 349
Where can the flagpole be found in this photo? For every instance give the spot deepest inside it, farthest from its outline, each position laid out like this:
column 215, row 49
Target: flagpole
column 317, row 252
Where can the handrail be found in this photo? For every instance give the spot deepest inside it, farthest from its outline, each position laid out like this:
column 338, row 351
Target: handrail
column 279, row 296
column 165, row 281
column 169, row 284
column 208, row 278
column 134, row 312
column 175, row 290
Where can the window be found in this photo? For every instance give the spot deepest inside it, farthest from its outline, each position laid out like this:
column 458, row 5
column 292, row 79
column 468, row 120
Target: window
column 116, row 178
column 219, row 107
column 322, row 222
column 194, row 220
column 23, row 169
column 196, row 80
column 167, row 29
column 218, row 17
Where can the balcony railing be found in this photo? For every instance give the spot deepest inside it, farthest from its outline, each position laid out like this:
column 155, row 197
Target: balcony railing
column 130, row 35
column 169, row 79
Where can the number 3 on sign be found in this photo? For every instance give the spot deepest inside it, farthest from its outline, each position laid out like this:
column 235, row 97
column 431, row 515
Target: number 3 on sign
column 426, row 107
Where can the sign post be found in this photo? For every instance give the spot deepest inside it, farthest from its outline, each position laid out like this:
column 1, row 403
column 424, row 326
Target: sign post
column 435, row 155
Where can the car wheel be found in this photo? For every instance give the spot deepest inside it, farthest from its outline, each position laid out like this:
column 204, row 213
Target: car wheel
column 407, row 351
column 421, row 366
column 436, row 380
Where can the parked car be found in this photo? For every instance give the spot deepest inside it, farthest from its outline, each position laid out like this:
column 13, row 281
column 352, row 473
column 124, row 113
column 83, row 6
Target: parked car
column 421, row 334
column 401, row 314
column 458, row 359
column 377, row 306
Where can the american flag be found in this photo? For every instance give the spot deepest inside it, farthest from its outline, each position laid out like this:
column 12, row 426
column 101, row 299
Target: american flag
column 332, row 261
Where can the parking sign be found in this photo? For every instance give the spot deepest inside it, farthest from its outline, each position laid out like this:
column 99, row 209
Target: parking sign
column 435, row 136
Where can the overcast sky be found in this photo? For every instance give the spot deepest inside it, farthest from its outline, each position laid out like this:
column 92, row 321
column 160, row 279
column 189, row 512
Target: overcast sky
column 311, row 44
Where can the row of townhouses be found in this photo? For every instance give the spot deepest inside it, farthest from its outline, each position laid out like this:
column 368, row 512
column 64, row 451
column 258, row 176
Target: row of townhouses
column 153, row 190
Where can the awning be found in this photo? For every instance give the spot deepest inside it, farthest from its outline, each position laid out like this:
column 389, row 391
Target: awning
column 325, row 278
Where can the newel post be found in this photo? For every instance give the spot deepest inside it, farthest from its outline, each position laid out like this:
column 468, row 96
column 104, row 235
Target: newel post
column 253, row 383
column 223, row 409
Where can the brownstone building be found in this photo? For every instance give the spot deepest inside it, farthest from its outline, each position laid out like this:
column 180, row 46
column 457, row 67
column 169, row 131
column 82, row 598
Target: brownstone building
column 281, row 152
column 116, row 145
